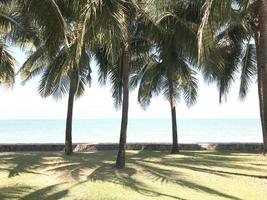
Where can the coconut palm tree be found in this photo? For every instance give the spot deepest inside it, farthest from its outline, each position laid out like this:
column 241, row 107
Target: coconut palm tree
column 83, row 30
column 170, row 60
column 174, row 77
column 122, row 51
column 129, row 15
column 240, row 27
column 59, row 57
column 20, row 21
column 114, row 54
column 60, row 75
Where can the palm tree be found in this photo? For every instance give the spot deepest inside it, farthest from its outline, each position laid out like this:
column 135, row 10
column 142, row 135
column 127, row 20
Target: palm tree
column 66, row 67
column 128, row 20
column 243, row 24
column 54, row 15
column 173, row 76
column 122, row 51
column 60, row 75
column 169, row 67
column 114, row 55
column 60, row 56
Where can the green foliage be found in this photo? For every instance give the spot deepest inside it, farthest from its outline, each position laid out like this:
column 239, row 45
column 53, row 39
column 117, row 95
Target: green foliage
column 234, row 49
column 7, row 61
column 174, row 37
column 170, row 54
column 60, row 56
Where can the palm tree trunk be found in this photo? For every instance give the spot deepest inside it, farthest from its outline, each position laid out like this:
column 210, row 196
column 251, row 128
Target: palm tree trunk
column 260, row 84
column 175, row 147
column 120, row 162
column 262, row 64
column 68, row 132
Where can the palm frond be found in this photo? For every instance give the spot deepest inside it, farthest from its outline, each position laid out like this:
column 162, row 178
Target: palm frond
column 7, row 65
column 249, row 69
column 151, row 82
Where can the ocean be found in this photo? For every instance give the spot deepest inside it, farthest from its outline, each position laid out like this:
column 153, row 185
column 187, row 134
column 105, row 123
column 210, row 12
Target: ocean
column 139, row 130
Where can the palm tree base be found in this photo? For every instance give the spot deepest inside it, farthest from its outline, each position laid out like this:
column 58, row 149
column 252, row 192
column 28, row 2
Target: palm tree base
column 68, row 150
column 120, row 162
column 264, row 149
column 175, row 151
column 68, row 153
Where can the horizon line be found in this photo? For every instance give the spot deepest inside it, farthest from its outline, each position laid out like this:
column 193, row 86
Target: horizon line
column 116, row 118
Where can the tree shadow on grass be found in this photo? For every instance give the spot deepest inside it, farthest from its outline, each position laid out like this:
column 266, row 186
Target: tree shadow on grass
column 29, row 193
column 16, row 192
column 207, row 160
column 165, row 175
column 206, row 170
column 101, row 166
column 33, row 162
column 125, row 177
column 196, row 158
column 21, row 163
column 221, row 172
column 58, row 162
column 75, row 165
column 46, row 193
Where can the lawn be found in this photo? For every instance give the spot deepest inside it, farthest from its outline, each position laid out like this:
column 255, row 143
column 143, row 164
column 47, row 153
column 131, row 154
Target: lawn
column 148, row 175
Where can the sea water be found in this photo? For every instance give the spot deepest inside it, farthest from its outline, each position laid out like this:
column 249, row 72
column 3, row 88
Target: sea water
column 139, row 130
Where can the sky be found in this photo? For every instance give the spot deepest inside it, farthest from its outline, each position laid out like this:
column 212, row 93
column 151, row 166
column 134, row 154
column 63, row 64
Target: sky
column 24, row 102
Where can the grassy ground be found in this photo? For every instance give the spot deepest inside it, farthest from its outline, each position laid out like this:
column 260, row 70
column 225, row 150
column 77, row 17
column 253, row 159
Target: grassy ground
column 148, row 175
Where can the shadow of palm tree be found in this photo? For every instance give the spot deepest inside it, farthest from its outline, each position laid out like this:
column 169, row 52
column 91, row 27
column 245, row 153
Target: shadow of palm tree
column 16, row 192
column 209, row 171
column 32, row 162
column 74, row 166
column 165, row 175
column 204, row 158
column 99, row 166
column 125, row 177
column 45, row 193
column 22, row 163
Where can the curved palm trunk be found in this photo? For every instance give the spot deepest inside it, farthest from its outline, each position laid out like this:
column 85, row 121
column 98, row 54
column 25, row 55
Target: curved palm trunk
column 68, row 132
column 262, row 65
column 175, row 147
column 120, row 162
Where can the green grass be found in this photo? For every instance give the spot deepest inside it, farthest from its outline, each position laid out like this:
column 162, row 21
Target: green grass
column 148, row 175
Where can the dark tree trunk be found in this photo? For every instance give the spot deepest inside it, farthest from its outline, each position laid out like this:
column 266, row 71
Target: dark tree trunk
column 260, row 85
column 68, row 133
column 175, row 147
column 120, row 162
column 262, row 65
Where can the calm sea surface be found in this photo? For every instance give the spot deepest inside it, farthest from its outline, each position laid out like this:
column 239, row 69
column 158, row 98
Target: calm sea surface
column 140, row 130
